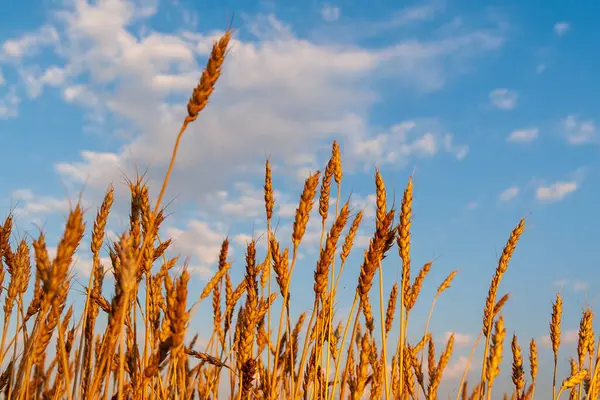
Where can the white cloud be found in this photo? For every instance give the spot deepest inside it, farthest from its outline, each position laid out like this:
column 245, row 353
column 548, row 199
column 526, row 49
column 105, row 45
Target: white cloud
column 504, row 99
column 556, row 191
column 460, row 339
column 571, row 336
column 241, row 129
column 330, row 13
column 83, row 264
column 354, row 29
column 523, row 135
column 303, row 172
column 459, row 151
column 456, row 369
column 405, row 141
column 200, row 241
column 567, row 337
column 249, row 203
column 80, row 171
column 28, row 44
column 79, row 94
column 9, row 103
column 509, row 193
column 278, row 94
column 287, row 210
column 367, row 204
column 31, row 205
column 242, row 239
column 2, row 80
column 425, row 145
column 361, row 242
column 35, row 80
column 33, row 85
column 579, row 132
column 560, row 28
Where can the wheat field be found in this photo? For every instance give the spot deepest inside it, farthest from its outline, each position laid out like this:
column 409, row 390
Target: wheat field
column 131, row 343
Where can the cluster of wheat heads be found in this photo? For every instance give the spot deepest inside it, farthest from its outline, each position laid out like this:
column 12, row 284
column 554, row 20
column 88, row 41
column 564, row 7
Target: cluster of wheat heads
column 256, row 350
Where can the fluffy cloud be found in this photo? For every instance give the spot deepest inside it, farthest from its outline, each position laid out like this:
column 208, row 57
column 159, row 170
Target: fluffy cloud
column 503, row 99
column 509, row 193
column 456, row 369
column 579, row 132
column 278, row 94
column 30, row 205
column 460, row 339
column 523, row 135
column 556, row 191
column 560, row 28
column 200, row 241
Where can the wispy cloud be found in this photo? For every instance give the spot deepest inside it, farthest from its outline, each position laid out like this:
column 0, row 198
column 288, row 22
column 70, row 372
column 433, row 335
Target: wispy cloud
column 330, row 13
column 556, row 191
column 579, row 132
column 562, row 27
column 580, row 286
column 9, row 103
column 402, row 18
column 459, row 151
column 29, row 44
column 576, row 285
column 32, row 205
column 509, row 194
column 540, row 68
column 405, row 141
column 523, row 135
column 561, row 283
column 504, row 99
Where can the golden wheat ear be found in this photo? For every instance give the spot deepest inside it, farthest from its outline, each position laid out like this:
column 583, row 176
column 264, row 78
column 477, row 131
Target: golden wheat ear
column 210, row 75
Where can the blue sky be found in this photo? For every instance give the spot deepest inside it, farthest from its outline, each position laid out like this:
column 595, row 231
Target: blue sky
column 493, row 105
